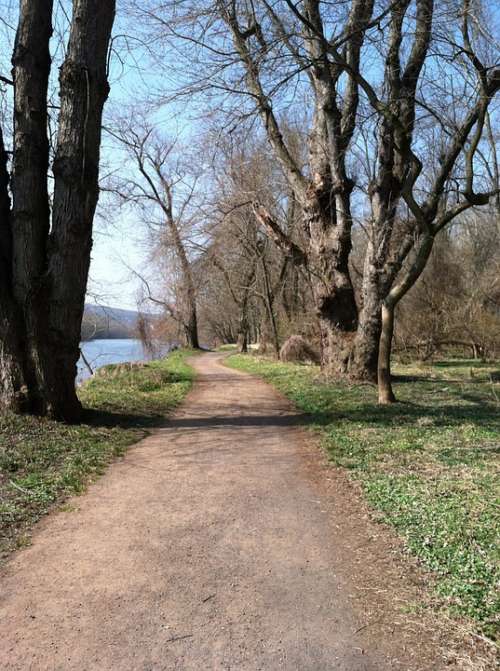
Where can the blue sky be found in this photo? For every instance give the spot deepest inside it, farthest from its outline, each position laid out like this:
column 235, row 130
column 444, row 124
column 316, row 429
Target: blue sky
column 111, row 282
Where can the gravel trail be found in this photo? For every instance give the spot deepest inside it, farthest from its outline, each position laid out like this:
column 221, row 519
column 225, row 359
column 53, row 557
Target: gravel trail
column 218, row 542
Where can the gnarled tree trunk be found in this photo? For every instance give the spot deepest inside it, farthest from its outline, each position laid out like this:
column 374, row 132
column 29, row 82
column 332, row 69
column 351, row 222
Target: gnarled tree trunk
column 328, row 221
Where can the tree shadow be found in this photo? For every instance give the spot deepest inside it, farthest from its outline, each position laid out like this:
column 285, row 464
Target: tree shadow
column 110, row 419
column 463, row 363
column 114, row 374
column 240, row 421
column 491, row 375
column 407, row 413
column 404, row 379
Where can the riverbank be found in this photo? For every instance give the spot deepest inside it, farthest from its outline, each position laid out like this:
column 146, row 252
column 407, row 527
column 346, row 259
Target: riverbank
column 44, row 462
column 427, row 466
column 101, row 352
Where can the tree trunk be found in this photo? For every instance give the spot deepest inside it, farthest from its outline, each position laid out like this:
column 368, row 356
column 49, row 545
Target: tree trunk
column 421, row 255
column 30, row 208
column 243, row 324
column 385, row 393
column 191, row 328
column 269, row 301
column 11, row 326
column 11, row 358
column 335, row 302
column 384, row 195
column 364, row 362
column 242, row 340
column 83, row 91
column 12, row 388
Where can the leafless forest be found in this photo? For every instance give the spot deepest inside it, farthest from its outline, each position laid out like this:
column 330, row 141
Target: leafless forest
column 303, row 168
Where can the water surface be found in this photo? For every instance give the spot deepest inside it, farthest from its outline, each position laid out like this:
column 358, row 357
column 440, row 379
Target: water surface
column 102, row 352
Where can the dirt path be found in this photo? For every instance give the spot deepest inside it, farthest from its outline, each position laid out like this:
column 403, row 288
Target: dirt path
column 212, row 545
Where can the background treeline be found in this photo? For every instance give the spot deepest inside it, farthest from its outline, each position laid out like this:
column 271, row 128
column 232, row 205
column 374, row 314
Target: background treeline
column 251, row 292
column 454, row 309
column 101, row 322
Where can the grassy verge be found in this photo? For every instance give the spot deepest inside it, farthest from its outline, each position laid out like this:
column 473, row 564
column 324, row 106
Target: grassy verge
column 42, row 462
column 429, row 465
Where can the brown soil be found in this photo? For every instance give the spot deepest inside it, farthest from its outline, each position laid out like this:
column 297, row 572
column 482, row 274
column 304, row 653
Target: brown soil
column 222, row 541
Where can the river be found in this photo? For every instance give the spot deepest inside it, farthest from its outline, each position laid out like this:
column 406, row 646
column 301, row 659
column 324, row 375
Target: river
column 101, row 352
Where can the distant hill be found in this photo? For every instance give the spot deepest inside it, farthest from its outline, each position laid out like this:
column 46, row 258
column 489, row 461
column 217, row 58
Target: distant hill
column 103, row 322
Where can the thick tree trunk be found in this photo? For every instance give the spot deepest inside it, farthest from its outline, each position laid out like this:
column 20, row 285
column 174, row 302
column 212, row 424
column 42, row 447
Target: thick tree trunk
column 12, row 388
column 364, row 362
column 11, row 370
column 84, row 90
column 393, row 163
column 335, row 302
column 366, row 344
column 191, row 324
column 30, row 209
column 327, row 225
column 384, row 194
column 43, row 277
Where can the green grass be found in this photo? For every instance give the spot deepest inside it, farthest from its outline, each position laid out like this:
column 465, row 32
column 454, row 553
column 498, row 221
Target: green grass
column 42, row 462
column 428, row 464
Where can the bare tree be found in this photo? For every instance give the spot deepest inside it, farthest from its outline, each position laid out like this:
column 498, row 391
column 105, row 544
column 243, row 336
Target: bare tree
column 455, row 306
column 46, row 250
column 256, row 275
column 394, row 98
column 450, row 191
column 164, row 190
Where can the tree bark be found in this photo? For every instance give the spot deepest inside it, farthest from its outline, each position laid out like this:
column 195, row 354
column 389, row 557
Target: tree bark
column 11, row 370
column 83, row 90
column 191, row 327
column 30, row 208
column 335, row 302
column 242, row 341
column 324, row 197
column 366, row 344
column 191, row 322
column 394, row 160
column 385, row 393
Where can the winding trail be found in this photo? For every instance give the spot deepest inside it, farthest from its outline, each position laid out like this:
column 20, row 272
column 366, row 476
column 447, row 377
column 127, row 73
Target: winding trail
column 213, row 544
